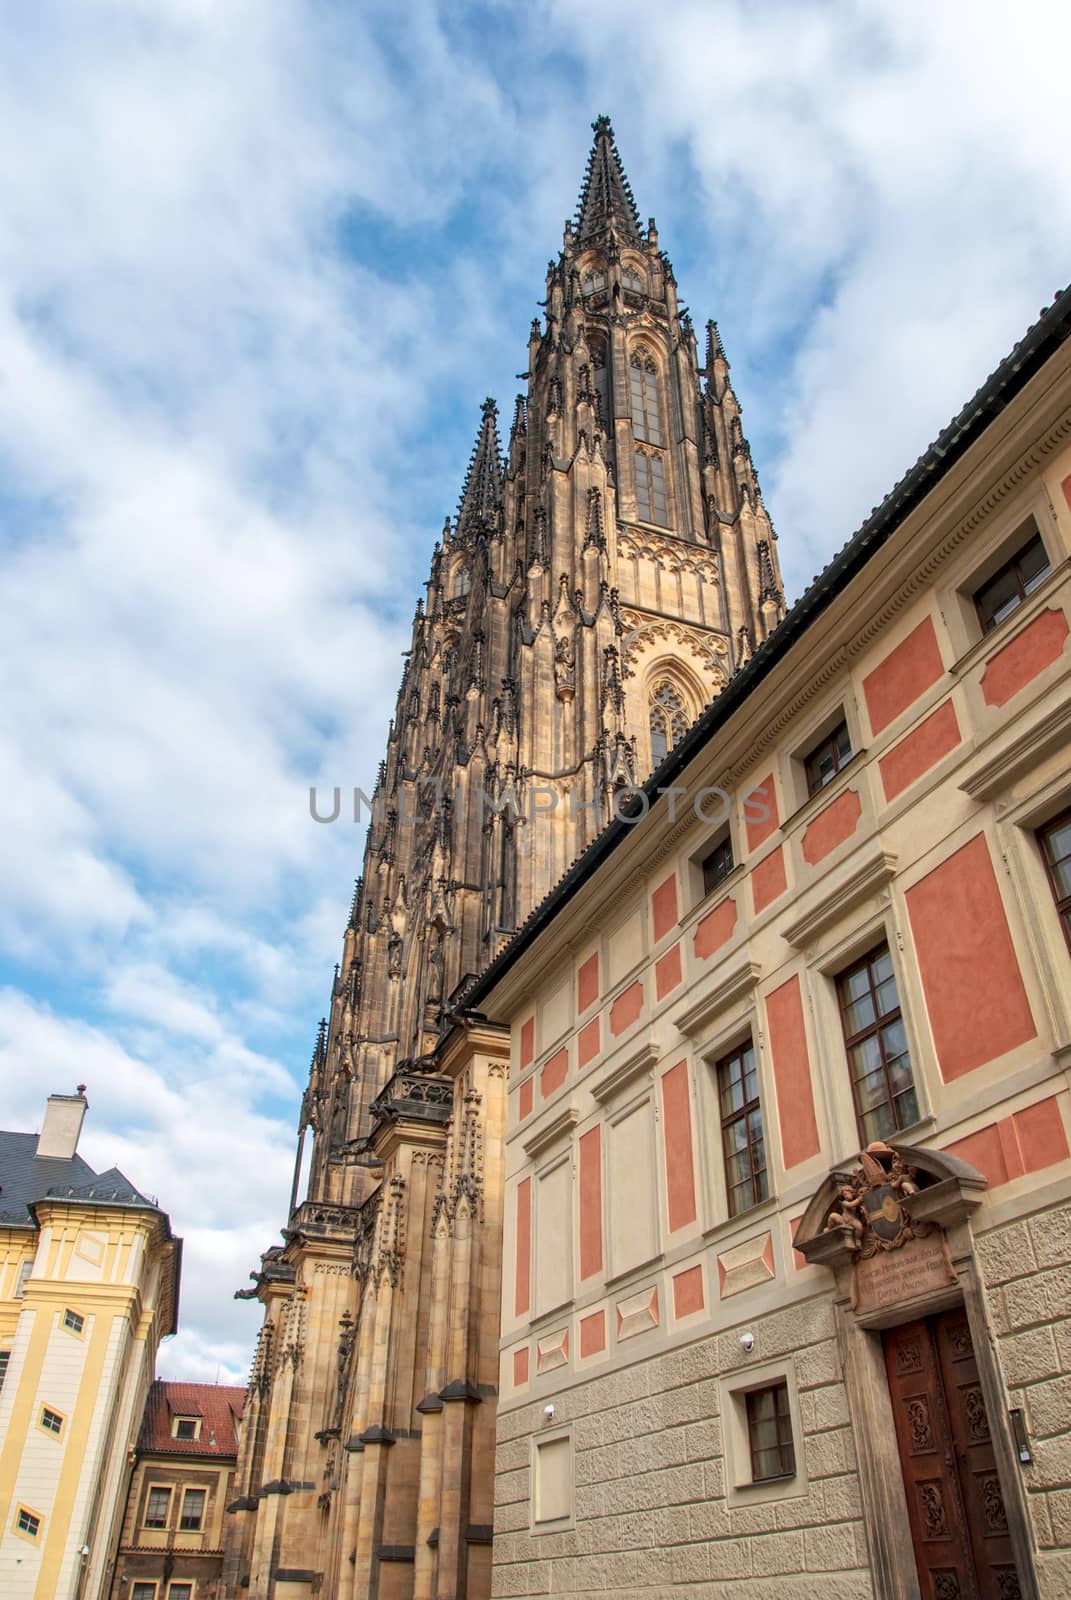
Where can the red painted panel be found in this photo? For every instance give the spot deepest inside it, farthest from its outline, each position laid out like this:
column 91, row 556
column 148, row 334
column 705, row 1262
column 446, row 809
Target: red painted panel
column 520, row 1367
column 667, row 972
column 554, row 1073
column 626, row 1008
column 768, row 879
column 1041, row 1134
column 590, row 1186
column 792, row 1073
column 587, row 1046
column 906, row 672
column 922, row 749
column 587, row 983
column 522, row 1295
column 984, row 1151
column 677, row 1128
column 974, row 990
column 832, row 826
column 716, row 927
column 526, row 1098
column 688, row 1292
column 593, row 1333
column 664, row 907
column 760, row 812
column 1037, row 647
column 527, row 1043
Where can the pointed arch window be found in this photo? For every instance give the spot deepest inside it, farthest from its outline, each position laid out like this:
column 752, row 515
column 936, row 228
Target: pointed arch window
column 593, row 281
column 600, row 377
column 668, row 720
column 462, row 582
column 651, row 487
column 646, row 416
column 631, row 280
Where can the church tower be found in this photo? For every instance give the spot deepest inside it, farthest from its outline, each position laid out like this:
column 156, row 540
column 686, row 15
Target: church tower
column 601, row 581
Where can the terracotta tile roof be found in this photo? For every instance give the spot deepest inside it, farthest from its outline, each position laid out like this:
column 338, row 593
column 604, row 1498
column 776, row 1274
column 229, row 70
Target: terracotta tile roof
column 218, row 1405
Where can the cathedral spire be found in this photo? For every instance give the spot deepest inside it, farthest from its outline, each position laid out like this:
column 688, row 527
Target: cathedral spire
column 482, row 490
column 606, row 195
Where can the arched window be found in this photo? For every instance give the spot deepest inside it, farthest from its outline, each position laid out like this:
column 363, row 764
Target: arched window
column 646, row 420
column 668, row 720
column 651, row 487
column 631, row 279
column 462, row 582
column 600, row 378
column 594, row 281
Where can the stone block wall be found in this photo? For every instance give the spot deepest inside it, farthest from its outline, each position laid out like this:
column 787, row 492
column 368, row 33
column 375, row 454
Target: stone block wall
column 653, row 1512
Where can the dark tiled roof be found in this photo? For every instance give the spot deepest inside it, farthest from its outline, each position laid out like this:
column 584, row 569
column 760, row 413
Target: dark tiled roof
column 1040, row 342
column 218, row 1405
column 26, row 1177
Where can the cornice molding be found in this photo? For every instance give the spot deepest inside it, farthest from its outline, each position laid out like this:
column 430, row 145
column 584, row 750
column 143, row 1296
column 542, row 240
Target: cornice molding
column 843, row 895
column 548, row 1133
column 626, row 1072
column 734, row 984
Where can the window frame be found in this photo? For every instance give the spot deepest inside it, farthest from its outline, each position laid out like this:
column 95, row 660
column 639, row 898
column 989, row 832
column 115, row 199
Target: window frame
column 69, row 1318
column 1010, row 567
column 831, row 738
column 144, row 1583
column 5, row 1364
column 777, row 1388
column 654, row 485
column 745, row 1047
column 723, row 841
column 158, row 1488
column 32, row 1536
column 25, row 1271
column 658, row 682
column 46, row 1427
column 645, row 399
column 866, row 959
column 1061, row 903
column 187, row 1585
column 187, row 1490
column 181, row 1420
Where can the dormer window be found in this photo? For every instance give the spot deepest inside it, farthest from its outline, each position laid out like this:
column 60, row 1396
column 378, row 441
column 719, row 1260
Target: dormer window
column 186, row 1428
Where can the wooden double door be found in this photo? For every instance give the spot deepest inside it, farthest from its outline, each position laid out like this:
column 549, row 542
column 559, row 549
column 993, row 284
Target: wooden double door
column 954, row 1502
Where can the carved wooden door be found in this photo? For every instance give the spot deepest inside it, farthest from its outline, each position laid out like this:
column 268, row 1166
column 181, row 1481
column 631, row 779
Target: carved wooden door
column 954, row 1505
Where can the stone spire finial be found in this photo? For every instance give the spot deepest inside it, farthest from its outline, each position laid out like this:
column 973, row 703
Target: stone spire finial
column 481, row 493
column 606, row 194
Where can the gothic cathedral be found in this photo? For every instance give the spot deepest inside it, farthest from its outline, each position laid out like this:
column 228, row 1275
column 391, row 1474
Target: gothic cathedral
column 600, row 583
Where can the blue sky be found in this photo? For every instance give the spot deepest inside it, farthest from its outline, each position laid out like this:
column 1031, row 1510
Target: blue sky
column 259, row 264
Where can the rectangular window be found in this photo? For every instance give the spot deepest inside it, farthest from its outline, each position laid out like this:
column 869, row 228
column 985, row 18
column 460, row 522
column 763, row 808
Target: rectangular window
column 186, row 1428
column 157, row 1508
column 180, row 1591
column 827, row 758
column 5, row 1358
column 27, row 1523
column 1006, row 590
column 882, row 1080
column 193, row 1510
column 25, row 1268
column 143, row 1591
column 73, row 1322
column 1055, row 840
column 553, row 1480
column 718, row 864
column 51, row 1421
column 769, row 1433
column 741, row 1130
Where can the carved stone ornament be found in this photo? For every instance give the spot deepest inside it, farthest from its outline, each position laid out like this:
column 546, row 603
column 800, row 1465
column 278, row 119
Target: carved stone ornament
column 870, row 1203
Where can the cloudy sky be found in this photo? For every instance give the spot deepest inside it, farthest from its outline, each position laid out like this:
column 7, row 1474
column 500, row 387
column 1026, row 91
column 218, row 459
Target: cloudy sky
column 260, row 261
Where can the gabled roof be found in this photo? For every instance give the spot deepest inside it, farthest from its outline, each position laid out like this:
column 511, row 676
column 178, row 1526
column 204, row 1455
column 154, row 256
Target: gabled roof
column 26, row 1178
column 1026, row 358
column 219, row 1407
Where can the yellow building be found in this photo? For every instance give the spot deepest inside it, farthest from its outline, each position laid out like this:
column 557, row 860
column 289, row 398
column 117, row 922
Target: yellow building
column 172, row 1534
column 89, row 1275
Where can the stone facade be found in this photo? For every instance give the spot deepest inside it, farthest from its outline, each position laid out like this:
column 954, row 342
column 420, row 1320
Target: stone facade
column 599, row 585
column 785, row 1305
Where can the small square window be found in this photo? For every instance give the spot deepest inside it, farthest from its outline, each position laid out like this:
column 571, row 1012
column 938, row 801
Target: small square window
column 717, row 865
column 157, row 1507
column 827, row 758
column 883, row 1082
column 186, row 1428
column 1055, row 841
column 51, row 1421
column 1006, row 590
column 193, row 1510
column 26, row 1522
column 769, row 1433
column 73, row 1321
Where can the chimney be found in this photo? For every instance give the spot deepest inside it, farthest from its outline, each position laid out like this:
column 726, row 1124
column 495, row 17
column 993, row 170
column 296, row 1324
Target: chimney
column 64, row 1116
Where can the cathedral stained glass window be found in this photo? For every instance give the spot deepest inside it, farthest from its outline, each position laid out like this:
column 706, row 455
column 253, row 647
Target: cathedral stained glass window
column 669, row 721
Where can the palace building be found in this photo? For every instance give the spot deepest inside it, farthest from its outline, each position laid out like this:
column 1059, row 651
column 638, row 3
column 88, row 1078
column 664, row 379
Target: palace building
column 603, row 580
column 786, row 1288
column 89, row 1282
